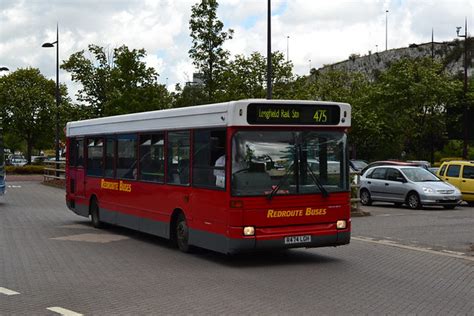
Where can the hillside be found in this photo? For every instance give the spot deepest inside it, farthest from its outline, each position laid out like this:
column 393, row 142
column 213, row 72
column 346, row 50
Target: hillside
column 449, row 53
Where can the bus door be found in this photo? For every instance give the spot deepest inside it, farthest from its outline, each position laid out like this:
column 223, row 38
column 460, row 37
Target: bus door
column 209, row 198
column 79, row 171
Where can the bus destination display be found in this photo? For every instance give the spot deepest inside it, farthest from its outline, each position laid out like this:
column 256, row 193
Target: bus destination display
column 293, row 114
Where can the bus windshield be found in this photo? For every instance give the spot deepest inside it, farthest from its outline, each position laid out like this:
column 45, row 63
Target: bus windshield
column 268, row 163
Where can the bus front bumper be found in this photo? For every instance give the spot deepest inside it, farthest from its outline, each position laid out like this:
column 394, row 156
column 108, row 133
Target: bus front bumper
column 302, row 239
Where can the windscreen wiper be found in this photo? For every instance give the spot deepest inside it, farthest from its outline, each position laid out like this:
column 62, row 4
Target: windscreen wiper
column 323, row 190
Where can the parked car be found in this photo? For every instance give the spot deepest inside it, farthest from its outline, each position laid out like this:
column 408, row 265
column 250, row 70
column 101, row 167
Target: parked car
column 17, row 160
column 358, row 165
column 413, row 186
column 461, row 175
column 421, row 163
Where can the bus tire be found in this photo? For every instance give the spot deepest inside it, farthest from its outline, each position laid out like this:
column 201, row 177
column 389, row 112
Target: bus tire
column 413, row 201
column 182, row 233
column 365, row 198
column 95, row 213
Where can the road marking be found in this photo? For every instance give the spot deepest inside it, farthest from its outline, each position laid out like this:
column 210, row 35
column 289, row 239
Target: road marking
column 7, row 291
column 63, row 311
column 95, row 238
column 391, row 243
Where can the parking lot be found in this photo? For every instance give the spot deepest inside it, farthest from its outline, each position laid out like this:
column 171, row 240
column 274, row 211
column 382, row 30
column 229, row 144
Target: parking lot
column 400, row 261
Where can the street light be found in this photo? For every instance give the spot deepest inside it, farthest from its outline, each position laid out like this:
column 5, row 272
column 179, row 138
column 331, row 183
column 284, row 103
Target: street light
column 465, row 119
column 58, row 98
column 269, row 50
column 4, row 69
column 287, row 48
column 386, row 29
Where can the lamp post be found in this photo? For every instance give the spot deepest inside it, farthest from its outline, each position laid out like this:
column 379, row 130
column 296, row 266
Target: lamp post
column 386, row 29
column 287, row 48
column 269, row 50
column 464, row 112
column 58, row 97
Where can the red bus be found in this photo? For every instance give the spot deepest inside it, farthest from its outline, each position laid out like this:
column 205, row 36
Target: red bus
column 230, row 177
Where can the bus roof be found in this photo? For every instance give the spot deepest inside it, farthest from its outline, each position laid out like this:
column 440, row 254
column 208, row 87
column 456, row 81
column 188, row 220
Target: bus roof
column 233, row 113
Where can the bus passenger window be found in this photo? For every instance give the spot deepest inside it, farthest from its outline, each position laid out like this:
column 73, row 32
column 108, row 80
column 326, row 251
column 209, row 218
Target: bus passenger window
column 152, row 159
column 178, row 158
column 80, row 153
column 110, row 158
column 95, row 152
column 209, row 158
column 126, row 157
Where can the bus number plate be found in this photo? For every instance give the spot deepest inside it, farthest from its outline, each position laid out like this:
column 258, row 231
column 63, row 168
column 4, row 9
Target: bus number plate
column 297, row 239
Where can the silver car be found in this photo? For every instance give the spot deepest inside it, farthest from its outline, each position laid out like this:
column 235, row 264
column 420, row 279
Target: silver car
column 414, row 186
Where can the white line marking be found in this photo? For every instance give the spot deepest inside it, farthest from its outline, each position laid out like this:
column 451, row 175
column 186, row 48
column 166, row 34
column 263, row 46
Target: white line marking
column 63, row 311
column 427, row 250
column 7, row 291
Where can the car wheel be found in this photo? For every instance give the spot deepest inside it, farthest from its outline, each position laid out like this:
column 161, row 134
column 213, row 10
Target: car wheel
column 413, row 201
column 365, row 198
column 182, row 234
column 95, row 214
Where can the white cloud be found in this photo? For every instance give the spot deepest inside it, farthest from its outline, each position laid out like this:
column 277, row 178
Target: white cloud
column 321, row 31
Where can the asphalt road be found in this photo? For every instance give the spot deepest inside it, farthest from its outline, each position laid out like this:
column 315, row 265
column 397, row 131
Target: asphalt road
column 399, row 262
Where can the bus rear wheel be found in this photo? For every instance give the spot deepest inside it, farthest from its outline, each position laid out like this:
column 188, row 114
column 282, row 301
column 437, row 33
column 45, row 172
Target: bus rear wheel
column 95, row 214
column 182, row 234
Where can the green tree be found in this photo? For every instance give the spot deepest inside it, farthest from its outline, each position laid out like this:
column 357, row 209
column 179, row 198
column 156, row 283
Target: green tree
column 245, row 77
column 117, row 83
column 411, row 99
column 28, row 104
column 207, row 52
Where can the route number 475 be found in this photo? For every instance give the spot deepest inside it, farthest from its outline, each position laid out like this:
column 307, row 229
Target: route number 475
column 320, row 116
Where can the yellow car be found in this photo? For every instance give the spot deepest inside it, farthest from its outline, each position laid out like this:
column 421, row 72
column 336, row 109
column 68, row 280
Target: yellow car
column 461, row 175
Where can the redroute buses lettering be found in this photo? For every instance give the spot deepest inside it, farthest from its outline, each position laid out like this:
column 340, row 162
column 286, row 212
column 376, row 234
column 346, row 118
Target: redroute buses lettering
column 296, row 213
column 117, row 186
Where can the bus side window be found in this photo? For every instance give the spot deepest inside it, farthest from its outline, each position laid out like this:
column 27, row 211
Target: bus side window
column 178, row 157
column 126, row 157
column 95, row 156
column 151, row 153
column 110, row 158
column 80, row 153
column 209, row 158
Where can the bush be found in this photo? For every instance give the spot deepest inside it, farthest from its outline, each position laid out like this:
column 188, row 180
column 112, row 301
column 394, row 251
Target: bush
column 24, row 170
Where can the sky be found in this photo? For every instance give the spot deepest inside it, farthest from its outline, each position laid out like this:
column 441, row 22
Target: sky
column 310, row 33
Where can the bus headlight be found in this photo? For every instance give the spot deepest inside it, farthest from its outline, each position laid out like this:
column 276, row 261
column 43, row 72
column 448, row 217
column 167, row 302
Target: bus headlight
column 249, row 231
column 341, row 224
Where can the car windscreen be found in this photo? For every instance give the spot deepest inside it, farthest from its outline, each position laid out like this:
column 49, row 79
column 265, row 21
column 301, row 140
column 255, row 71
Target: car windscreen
column 419, row 175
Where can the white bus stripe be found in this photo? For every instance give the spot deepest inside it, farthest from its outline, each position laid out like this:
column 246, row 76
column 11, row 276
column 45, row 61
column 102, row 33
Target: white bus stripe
column 7, row 291
column 63, row 311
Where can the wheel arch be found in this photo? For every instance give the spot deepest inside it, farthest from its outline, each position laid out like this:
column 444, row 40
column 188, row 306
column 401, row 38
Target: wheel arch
column 173, row 220
column 410, row 192
column 93, row 198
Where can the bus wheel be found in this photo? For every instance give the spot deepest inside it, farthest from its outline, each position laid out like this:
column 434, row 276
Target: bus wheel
column 365, row 197
column 413, row 201
column 95, row 214
column 182, row 233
